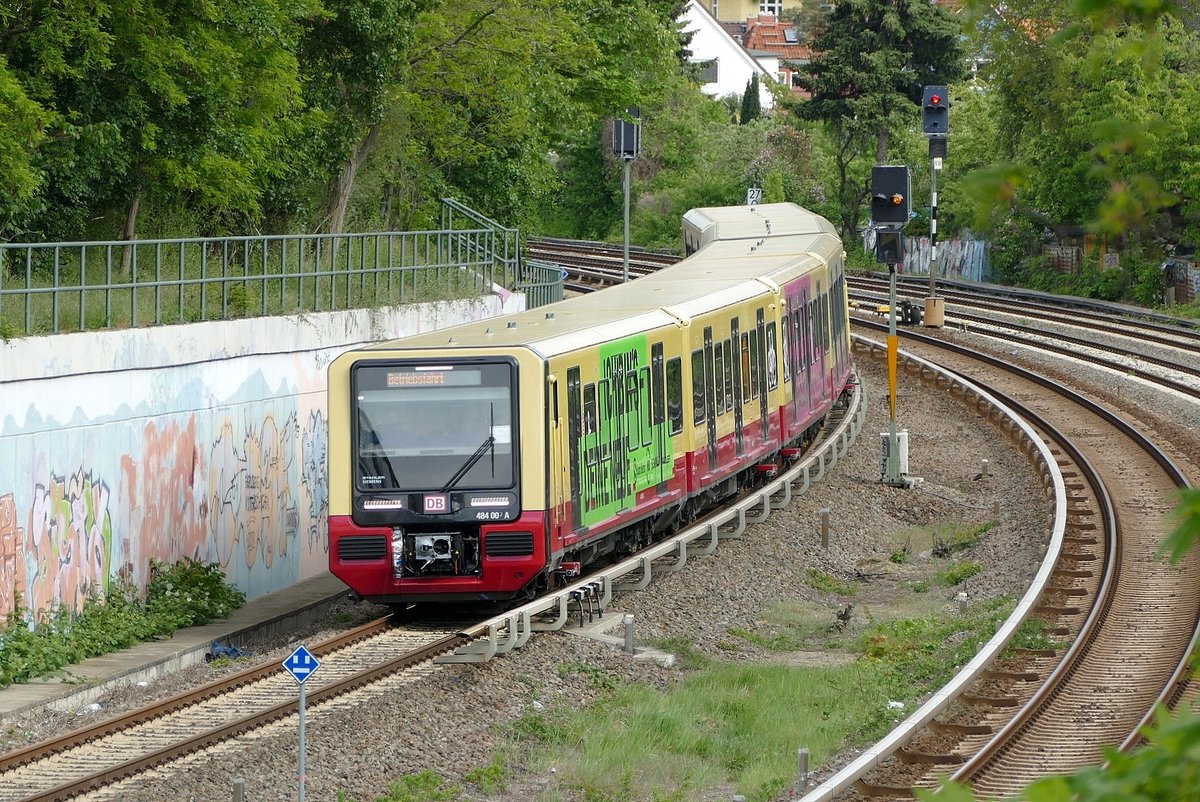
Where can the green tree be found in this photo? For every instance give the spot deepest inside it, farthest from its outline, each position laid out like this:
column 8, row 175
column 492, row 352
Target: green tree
column 871, row 59
column 353, row 58
column 184, row 105
column 751, row 105
column 1098, row 120
column 23, row 124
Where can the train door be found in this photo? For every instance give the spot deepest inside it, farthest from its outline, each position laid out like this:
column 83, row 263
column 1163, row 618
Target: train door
column 760, row 359
column 574, row 437
column 738, row 368
column 710, row 397
column 658, row 412
column 806, row 350
column 791, row 342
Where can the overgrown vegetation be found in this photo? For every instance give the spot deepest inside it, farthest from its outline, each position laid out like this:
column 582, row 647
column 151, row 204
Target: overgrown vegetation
column 187, row 593
column 720, row 723
column 827, row 583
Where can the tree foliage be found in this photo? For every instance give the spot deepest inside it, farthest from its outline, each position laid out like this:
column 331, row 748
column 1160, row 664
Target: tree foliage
column 751, row 105
column 871, row 59
column 1097, row 111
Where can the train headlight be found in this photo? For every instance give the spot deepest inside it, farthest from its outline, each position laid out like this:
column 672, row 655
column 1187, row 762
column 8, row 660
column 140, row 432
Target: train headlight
column 397, row 552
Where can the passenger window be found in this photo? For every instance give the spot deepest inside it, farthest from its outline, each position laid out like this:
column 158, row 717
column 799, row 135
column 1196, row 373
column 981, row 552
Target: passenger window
column 699, row 415
column 675, row 394
column 719, row 372
column 755, row 359
column 772, row 358
column 589, row 409
column 728, row 378
column 745, row 368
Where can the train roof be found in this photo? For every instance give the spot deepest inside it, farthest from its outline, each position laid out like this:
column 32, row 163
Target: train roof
column 726, row 271
column 767, row 219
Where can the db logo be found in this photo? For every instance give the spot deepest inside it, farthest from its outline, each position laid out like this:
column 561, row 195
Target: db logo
column 436, row 504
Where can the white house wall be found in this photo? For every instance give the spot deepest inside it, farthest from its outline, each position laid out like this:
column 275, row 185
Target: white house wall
column 203, row 440
column 735, row 64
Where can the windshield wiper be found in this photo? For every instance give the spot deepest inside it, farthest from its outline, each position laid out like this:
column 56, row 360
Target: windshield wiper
column 470, row 463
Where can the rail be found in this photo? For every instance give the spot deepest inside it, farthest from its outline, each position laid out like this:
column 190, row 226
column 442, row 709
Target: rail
column 1038, row 451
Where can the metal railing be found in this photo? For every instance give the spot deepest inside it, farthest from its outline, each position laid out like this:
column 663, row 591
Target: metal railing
column 542, row 282
column 49, row 288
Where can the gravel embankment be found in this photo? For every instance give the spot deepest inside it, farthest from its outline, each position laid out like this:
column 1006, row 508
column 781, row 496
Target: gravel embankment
column 454, row 719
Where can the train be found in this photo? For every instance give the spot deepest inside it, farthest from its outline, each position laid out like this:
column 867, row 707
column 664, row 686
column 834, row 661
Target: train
column 488, row 461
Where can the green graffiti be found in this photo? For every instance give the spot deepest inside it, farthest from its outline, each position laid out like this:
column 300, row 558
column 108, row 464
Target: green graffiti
column 622, row 450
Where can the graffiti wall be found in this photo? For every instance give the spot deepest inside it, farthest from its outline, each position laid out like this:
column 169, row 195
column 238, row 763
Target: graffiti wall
column 119, row 449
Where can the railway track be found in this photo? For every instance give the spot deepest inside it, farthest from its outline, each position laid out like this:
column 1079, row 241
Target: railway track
column 1130, row 621
column 596, row 265
column 99, row 756
column 988, row 705
column 1053, row 711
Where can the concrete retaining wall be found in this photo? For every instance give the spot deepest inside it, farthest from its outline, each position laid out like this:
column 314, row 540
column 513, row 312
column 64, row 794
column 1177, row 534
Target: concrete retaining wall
column 204, row 440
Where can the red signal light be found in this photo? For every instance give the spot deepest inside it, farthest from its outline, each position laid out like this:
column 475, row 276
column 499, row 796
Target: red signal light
column 935, row 100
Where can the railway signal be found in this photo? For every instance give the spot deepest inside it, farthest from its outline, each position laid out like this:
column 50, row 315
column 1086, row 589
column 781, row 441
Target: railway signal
column 890, row 190
column 301, row 664
column 935, row 121
column 889, row 247
column 935, row 111
column 627, row 143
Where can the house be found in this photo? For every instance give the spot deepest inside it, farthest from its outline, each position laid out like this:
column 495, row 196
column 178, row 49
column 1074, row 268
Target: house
column 776, row 44
column 728, row 65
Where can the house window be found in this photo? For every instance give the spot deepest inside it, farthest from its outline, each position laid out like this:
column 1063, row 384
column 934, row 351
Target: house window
column 707, row 70
column 716, row 10
column 774, row 8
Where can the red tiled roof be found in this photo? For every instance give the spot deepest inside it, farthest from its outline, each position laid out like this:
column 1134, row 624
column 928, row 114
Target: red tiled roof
column 765, row 33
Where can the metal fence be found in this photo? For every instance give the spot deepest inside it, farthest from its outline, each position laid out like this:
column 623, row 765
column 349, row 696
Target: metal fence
column 48, row 288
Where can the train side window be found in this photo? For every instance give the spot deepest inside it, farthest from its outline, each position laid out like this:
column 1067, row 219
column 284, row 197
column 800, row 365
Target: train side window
column 810, row 330
column 675, row 394
column 755, row 359
column 772, row 358
column 727, row 346
column 719, row 372
column 746, row 368
column 644, row 412
column 589, row 409
column 786, row 350
column 699, row 414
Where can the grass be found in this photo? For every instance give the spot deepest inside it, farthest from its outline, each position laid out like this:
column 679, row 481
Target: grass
column 827, row 583
column 719, row 725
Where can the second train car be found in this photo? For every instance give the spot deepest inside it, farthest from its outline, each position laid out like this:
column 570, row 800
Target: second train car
column 488, row 460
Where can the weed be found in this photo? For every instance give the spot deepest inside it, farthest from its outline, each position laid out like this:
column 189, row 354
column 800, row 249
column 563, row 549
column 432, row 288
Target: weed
column 827, row 583
column 185, row 594
column 238, row 300
column 949, row 539
column 689, row 656
column 599, row 678
column 428, row 786
column 491, row 779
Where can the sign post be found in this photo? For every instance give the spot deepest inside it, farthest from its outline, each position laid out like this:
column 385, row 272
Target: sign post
column 627, row 143
column 301, row 664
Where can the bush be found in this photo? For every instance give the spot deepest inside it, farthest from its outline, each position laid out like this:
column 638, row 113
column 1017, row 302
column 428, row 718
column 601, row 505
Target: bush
column 188, row 593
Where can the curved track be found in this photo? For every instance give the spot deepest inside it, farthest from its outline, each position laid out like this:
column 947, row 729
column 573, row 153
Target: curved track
column 1130, row 619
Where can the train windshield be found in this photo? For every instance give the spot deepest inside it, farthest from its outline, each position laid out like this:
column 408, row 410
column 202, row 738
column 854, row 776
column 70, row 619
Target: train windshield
column 434, row 427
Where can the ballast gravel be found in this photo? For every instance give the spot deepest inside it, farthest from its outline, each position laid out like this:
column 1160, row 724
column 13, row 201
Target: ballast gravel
column 457, row 717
